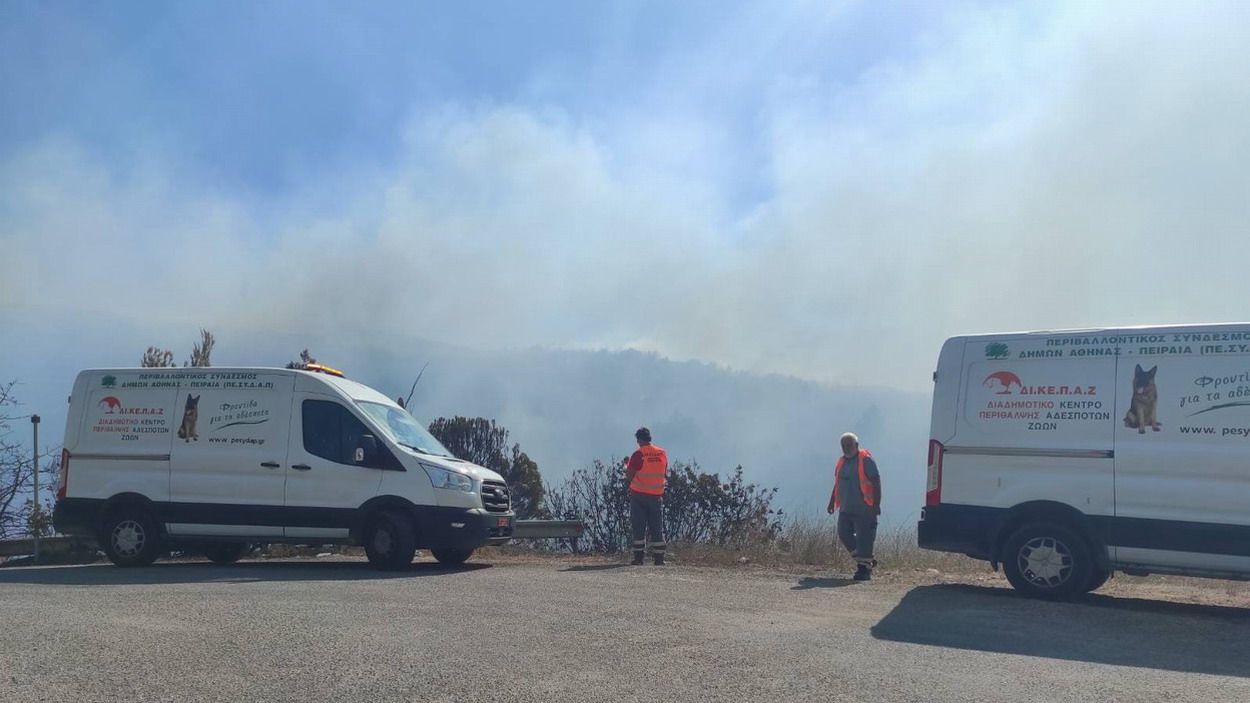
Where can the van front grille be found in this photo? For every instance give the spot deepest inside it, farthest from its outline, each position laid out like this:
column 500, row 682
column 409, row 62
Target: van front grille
column 495, row 497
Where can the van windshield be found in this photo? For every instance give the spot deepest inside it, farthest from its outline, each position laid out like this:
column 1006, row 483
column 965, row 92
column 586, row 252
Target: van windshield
column 403, row 428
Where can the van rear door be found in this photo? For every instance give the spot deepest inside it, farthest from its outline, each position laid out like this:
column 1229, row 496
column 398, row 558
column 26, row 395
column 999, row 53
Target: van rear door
column 1035, row 424
column 123, row 442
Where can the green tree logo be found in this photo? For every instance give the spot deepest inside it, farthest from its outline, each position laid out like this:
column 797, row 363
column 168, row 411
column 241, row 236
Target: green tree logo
column 997, row 350
column 109, row 381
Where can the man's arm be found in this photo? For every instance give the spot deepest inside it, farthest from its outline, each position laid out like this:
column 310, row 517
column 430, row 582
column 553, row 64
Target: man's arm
column 876, row 492
column 874, row 478
column 633, row 466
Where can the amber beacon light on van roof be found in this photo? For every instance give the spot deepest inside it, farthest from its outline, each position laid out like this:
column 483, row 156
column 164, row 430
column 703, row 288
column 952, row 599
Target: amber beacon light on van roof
column 321, row 368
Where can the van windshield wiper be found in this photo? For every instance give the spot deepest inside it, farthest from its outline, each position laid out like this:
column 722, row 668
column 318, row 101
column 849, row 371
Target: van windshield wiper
column 419, row 450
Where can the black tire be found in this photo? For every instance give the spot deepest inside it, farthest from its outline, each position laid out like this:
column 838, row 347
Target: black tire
column 129, row 537
column 1097, row 578
column 225, row 552
column 1048, row 560
column 452, row 557
column 390, row 540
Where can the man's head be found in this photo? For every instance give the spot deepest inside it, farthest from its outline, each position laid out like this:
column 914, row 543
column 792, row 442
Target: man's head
column 850, row 444
column 643, row 435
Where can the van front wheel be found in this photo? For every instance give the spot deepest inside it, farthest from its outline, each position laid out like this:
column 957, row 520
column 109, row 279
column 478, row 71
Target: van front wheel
column 452, row 557
column 130, row 538
column 1047, row 560
column 390, row 540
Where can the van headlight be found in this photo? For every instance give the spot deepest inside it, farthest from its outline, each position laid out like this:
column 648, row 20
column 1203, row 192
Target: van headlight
column 447, row 479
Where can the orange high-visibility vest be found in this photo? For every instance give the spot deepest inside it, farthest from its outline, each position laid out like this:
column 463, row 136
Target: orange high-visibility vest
column 650, row 478
column 865, row 486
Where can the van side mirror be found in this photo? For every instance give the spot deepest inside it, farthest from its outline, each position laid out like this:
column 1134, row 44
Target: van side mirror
column 367, row 452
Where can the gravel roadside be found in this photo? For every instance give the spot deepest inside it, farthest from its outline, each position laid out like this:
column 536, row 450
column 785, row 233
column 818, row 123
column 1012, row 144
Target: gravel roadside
column 574, row 630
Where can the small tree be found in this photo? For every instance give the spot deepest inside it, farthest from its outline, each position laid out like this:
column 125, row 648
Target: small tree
column 304, row 360
column 18, row 514
column 157, row 358
column 698, row 507
column 484, row 443
column 202, row 350
column 598, row 496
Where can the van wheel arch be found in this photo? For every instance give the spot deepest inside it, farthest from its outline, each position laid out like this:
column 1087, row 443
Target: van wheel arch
column 1052, row 512
column 129, row 501
column 374, row 506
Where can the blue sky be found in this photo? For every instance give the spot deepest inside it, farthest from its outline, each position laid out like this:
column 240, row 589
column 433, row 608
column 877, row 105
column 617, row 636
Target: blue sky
column 822, row 189
column 252, row 98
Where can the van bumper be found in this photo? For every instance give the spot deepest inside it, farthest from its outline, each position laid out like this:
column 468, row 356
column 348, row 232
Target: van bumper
column 461, row 528
column 77, row 516
column 963, row 529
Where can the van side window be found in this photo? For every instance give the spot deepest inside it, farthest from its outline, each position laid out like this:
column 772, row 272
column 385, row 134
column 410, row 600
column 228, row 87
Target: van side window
column 331, row 431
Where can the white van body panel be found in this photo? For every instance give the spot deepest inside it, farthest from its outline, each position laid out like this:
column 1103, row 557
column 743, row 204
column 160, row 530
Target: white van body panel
column 220, row 453
column 1141, row 434
column 1006, row 481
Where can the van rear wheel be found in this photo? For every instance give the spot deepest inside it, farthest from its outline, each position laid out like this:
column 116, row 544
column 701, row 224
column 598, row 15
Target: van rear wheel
column 225, row 552
column 1048, row 560
column 452, row 557
column 390, row 540
column 130, row 538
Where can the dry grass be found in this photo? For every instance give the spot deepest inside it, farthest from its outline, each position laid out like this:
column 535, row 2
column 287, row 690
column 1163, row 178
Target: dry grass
column 805, row 546
column 814, row 542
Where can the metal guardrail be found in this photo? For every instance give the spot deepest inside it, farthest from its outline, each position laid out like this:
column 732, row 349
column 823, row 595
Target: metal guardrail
column 521, row 529
column 47, row 545
column 547, row 529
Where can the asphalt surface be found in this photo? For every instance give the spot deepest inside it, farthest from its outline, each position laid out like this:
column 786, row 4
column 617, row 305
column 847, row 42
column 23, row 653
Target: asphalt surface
column 318, row 630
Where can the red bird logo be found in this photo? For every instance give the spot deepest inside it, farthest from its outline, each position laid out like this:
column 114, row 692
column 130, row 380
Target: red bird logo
column 112, row 404
column 1003, row 379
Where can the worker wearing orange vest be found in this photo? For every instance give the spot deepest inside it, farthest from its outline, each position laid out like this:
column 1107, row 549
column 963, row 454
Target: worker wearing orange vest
column 646, row 471
column 857, row 498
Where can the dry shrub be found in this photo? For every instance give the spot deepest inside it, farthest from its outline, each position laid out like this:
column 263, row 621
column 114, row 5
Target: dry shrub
column 699, row 507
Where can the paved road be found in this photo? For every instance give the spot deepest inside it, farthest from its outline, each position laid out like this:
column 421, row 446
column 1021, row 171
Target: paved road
column 559, row 631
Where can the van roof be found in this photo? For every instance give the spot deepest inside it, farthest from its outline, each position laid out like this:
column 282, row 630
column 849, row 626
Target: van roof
column 352, row 389
column 1188, row 327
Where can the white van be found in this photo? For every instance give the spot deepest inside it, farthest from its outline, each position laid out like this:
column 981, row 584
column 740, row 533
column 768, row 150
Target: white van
column 218, row 458
column 1066, row 456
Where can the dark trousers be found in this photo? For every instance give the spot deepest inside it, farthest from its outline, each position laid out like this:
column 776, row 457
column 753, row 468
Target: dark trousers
column 646, row 514
column 858, row 533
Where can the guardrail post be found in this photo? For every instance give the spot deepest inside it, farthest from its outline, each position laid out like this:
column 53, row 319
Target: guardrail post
column 37, row 512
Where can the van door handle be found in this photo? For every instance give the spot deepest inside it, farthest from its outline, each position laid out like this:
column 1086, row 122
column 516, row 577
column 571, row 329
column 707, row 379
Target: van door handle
column 270, row 464
column 301, row 467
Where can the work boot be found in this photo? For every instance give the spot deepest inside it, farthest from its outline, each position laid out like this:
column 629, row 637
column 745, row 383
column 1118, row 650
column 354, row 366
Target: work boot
column 659, row 559
column 862, row 573
column 638, row 561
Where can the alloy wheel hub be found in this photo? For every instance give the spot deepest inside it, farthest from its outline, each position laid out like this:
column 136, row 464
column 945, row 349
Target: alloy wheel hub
column 1046, row 562
column 128, row 538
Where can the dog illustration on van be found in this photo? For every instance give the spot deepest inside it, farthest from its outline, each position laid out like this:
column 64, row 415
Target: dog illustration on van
column 1145, row 402
column 190, row 414
column 113, row 404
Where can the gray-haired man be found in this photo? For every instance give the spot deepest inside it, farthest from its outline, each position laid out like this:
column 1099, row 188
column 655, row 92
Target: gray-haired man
column 857, row 497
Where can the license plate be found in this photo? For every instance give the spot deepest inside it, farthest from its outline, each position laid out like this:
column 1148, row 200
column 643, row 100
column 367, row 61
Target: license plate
column 503, row 522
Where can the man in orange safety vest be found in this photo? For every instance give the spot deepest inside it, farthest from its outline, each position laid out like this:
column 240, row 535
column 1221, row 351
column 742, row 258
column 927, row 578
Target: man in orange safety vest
column 646, row 472
column 857, row 498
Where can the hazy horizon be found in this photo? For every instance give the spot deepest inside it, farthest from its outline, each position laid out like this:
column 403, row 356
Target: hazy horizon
column 820, row 190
